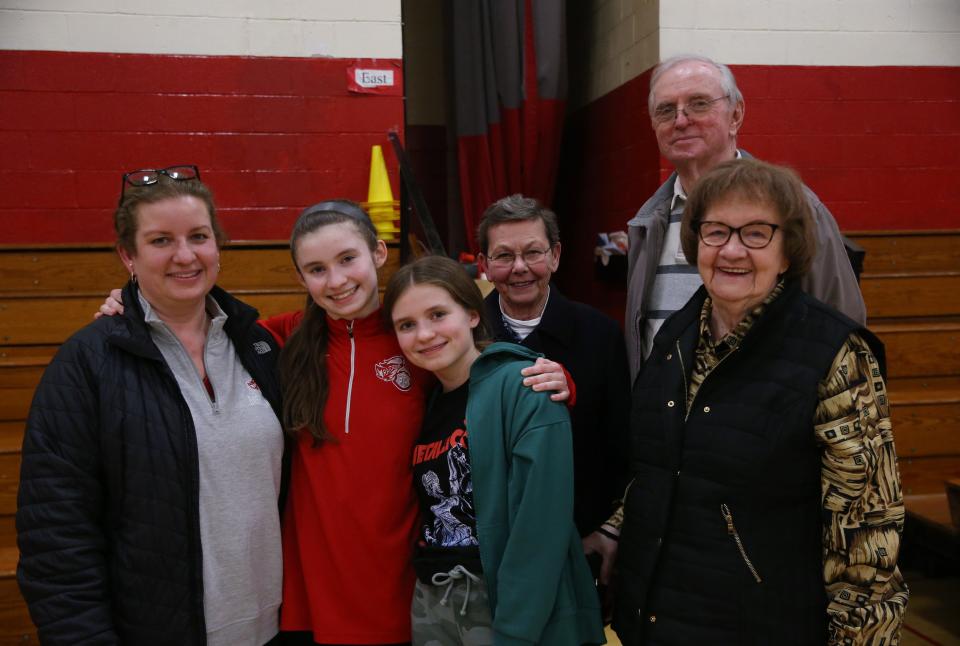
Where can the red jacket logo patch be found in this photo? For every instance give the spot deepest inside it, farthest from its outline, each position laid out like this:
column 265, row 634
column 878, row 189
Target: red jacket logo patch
column 395, row 371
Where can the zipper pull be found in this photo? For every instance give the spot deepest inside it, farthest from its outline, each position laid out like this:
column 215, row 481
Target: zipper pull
column 727, row 516
column 350, row 329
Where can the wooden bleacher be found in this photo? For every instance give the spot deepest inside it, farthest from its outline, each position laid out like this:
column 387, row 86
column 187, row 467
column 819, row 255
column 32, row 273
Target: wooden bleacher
column 911, row 284
column 46, row 294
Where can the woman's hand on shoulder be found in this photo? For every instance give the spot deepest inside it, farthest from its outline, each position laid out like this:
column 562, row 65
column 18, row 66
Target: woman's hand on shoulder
column 547, row 375
column 112, row 306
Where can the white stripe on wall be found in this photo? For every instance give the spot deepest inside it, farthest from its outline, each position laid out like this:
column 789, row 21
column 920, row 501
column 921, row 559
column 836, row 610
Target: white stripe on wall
column 334, row 28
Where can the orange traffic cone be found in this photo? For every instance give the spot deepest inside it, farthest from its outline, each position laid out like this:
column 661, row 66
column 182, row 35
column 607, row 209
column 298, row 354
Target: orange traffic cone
column 383, row 209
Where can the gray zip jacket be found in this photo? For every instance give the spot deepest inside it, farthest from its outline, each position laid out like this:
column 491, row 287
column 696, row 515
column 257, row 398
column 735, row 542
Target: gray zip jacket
column 830, row 279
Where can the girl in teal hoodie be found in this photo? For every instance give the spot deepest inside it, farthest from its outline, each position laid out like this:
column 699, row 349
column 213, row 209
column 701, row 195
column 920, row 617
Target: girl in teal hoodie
column 499, row 560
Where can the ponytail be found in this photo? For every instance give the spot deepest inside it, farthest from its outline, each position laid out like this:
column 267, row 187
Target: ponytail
column 303, row 375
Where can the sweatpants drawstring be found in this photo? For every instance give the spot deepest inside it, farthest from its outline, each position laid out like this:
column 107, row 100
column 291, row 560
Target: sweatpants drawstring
column 449, row 578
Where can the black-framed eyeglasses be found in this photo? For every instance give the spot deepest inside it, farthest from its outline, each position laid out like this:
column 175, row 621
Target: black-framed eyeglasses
column 755, row 235
column 148, row 176
column 530, row 257
column 694, row 108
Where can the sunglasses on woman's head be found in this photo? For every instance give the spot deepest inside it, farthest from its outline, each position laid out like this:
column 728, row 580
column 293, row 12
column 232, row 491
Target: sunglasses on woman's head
column 148, row 176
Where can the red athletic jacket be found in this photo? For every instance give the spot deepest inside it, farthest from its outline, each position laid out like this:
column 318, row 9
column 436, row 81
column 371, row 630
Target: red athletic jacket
column 350, row 520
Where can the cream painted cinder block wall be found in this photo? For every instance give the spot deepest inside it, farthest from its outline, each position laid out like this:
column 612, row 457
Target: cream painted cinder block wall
column 612, row 41
column 332, row 28
column 620, row 39
column 814, row 32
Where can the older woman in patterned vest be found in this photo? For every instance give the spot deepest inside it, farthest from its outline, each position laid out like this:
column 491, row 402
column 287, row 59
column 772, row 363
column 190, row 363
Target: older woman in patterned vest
column 766, row 505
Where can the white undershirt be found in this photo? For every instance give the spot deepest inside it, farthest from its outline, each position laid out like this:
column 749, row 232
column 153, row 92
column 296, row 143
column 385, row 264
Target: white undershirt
column 523, row 328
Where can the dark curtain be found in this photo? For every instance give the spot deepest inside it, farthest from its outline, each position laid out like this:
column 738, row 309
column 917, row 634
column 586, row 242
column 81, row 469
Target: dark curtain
column 510, row 87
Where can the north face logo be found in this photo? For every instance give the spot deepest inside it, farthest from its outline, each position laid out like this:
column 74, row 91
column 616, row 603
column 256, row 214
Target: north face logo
column 394, row 370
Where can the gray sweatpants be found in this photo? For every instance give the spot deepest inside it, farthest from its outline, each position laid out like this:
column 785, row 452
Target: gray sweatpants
column 444, row 614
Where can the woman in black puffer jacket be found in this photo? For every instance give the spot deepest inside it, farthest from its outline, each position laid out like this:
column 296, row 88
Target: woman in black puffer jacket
column 147, row 510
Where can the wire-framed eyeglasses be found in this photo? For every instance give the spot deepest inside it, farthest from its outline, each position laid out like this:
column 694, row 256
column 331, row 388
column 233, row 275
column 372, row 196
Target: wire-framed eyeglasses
column 694, row 108
column 148, row 176
column 530, row 257
column 755, row 235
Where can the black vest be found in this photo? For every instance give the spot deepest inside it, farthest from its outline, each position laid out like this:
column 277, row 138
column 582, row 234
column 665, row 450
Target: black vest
column 721, row 542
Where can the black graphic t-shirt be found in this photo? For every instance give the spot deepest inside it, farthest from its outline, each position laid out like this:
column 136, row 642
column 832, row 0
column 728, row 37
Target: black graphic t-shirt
column 441, row 476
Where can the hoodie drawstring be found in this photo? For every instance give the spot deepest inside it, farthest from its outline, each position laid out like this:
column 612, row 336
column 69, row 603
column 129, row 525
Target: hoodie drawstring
column 458, row 573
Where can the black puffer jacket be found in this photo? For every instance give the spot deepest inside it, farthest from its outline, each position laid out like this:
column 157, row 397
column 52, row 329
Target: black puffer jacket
column 107, row 518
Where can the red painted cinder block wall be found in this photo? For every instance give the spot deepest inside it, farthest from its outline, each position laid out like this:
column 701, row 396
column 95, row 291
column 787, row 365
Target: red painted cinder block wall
column 270, row 135
column 879, row 145
column 609, row 166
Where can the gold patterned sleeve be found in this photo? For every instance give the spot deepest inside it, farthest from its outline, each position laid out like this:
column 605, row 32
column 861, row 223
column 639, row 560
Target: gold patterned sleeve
column 862, row 501
column 615, row 521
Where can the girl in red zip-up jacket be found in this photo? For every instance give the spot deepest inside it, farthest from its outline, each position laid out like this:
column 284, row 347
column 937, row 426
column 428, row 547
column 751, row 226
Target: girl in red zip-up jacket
column 355, row 406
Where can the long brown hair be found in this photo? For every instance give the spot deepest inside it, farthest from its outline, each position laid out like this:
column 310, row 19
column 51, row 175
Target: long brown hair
column 303, row 361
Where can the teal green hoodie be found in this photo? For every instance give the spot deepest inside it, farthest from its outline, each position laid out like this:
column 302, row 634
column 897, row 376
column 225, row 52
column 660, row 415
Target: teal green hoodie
column 521, row 454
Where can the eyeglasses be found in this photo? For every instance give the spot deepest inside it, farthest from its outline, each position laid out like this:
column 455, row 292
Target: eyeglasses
column 530, row 257
column 148, row 176
column 694, row 108
column 755, row 235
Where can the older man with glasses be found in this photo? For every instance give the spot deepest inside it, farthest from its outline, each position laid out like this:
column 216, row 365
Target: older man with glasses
column 696, row 111
column 520, row 243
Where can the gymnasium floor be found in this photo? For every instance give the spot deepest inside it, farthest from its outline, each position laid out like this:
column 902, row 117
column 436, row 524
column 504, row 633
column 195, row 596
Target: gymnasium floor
column 933, row 616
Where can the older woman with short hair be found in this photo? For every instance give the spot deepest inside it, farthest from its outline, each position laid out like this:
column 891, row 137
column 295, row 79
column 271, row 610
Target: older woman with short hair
column 766, row 504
